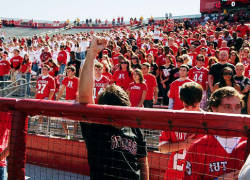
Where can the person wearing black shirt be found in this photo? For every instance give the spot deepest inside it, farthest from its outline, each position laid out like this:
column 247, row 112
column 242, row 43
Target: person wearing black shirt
column 216, row 69
column 113, row 152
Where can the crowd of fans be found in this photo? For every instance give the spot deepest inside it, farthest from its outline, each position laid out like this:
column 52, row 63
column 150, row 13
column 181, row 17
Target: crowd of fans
column 214, row 55
column 171, row 63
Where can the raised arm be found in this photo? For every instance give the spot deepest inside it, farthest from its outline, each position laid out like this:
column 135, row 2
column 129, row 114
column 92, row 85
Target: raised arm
column 86, row 82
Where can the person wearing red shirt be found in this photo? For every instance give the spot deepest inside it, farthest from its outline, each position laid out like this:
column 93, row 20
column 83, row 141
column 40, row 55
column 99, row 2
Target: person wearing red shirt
column 62, row 59
column 217, row 157
column 45, row 55
column 25, row 70
column 172, row 46
column 224, row 46
column 152, row 49
column 199, row 74
column 45, row 89
column 4, row 68
column 5, row 128
column 202, row 45
column 242, row 29
column 54, row 69
column 152, row 92
column 173, row 94
column 137, row 90
column 70, row 83
column 160, row 57
column 123, row 76
column 101, row 82
column 115, row 54
column 15, row 64
column 177, row 143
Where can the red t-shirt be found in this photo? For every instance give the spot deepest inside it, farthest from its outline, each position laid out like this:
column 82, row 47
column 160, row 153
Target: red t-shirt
column 175, row 169
column 199, row 75
column 150, row 80
column 122, row 79
column 160, row 59
column 4, row 67
column 115, row 58
column 108, row 75
column 44, row 87
column 153, row 51
column 5, row 127
column 16, row 62
column 242, row 29
column 136, row 90
column 62, row 57
column 207, row 158
column 174, row 49
column 247, row 71
column 71, row 87
column 174, row 93
column 45, row 56
column 99, row 86
column 25, row 67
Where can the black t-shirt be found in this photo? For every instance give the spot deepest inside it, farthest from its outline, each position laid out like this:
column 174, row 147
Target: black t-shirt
column 242, row 81
column 216, row 70
column 169, row 72
column 113, row 153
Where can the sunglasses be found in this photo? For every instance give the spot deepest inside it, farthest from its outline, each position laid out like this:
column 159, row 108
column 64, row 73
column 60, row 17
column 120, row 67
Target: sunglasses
column 200, row 59
column 227, row 73
column 123, row 63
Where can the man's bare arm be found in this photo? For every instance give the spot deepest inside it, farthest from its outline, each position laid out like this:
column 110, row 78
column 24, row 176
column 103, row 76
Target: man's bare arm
column 86, row 82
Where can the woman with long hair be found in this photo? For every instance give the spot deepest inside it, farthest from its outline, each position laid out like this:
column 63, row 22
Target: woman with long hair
column 123, row 76
column 154, row 67
column 135, row 62
column 167, row 77
column 137, row 90
column 233, row 58
column 54, row 68
column 25, row 70
column 227, row 79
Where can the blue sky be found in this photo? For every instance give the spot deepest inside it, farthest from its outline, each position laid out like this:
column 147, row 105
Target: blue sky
column 103, row 9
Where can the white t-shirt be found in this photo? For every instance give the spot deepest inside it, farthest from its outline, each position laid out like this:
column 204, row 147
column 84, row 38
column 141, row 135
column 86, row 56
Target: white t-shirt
column 245, row 170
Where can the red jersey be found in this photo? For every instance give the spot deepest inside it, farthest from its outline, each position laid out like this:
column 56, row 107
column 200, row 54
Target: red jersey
column 151, row 83
column 62, row 57
column 122, row 79
column 71, row 87
column 212, row 156
column 115, row 59
column 108, row 75
column 176, row 162
column 136, row 90
column 16, row 62
column 174, row 93
column 25, row 67
column 44, row 86
column 4, row 67
column 199, row 75
column 99, row 86
column 247, row 71
column 5, row 127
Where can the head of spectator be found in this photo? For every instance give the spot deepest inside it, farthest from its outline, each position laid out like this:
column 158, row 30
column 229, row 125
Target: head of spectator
column 4, row 55
column 169, row 61
column 138, row 76
column 191, row 95
column 98, row 70
column 203, row 42
column 150, row 58
column 160, row 50
column 187, row 59
column 233, row 58
column 141, row 55
column 200, row 60
column 179, row 61
column 26, row 58
column 135, row 62
column 71, row 71
column 239, row 69
column 46, row 49
column 183, row 71
column 226, row 100
column 224, row 44
column 16, row 52
column 45, row 70
column 145, row 68
column 124, row 65
column 223, row 57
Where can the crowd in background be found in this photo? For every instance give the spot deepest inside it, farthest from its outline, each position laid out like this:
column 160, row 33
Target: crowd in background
column 215, row 54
